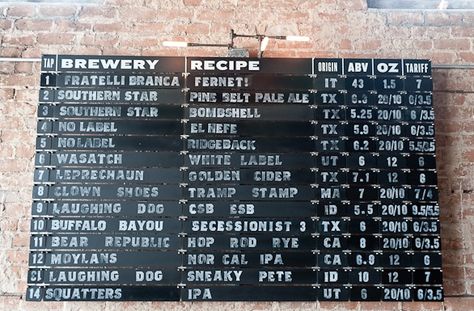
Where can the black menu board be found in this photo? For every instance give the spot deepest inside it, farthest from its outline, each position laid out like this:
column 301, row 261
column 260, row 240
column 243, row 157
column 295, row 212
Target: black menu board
column 172, row 178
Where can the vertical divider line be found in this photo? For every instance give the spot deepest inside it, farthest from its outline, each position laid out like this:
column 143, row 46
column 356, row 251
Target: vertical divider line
column 314, row 161
column 183, row 190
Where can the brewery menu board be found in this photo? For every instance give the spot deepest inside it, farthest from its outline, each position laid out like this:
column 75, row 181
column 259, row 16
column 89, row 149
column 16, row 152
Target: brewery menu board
column 172, row 178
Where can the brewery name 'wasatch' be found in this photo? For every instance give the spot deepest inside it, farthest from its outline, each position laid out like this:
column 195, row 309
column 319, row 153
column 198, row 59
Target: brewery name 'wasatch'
column 89, row 158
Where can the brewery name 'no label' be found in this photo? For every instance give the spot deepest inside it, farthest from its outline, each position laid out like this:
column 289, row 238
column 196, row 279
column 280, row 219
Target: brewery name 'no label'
column 172, row 178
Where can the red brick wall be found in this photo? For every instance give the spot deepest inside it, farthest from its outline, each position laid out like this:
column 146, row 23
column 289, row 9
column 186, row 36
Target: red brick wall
column 337, row 28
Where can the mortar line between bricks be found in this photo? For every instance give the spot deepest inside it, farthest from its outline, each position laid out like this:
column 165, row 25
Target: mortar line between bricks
column 453, row 91
column 453, row 66
column 11, row 295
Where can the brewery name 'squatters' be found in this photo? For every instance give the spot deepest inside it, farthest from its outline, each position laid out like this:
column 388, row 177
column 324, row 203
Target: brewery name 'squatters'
column 194, row 179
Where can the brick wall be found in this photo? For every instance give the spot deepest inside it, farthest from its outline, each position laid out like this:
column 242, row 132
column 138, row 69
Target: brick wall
column 338, row 28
